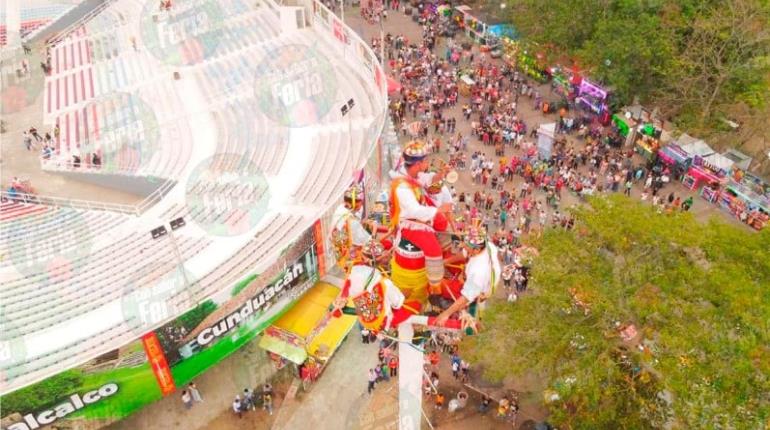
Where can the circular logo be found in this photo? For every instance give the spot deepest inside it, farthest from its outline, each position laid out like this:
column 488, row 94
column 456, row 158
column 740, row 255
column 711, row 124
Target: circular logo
column 295, row 85
column 152, row 294
column 22, row 81
column 186, row 33
column 13, row 350
column 127, row 136
column 227, row 194
column 50, row 247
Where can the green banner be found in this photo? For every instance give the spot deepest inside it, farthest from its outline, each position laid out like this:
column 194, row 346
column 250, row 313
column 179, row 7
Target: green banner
column 122, row 381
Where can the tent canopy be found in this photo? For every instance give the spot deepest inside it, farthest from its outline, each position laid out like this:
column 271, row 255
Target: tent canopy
column 719, row 161
column 293, row 353
column 311, row 308
column 696, row 148
column 548, row 129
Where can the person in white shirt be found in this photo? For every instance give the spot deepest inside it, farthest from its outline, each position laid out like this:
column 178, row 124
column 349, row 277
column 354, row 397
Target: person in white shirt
column 482, row 274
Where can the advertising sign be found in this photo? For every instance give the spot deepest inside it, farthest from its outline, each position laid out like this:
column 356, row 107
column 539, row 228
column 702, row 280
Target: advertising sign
column 120, row 382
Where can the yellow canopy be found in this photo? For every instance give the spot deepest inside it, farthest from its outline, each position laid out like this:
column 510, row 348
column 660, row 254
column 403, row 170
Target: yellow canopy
column 326, row 342
column 311, row 308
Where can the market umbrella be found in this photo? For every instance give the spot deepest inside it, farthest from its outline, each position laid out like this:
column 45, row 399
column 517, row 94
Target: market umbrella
column 393, row 85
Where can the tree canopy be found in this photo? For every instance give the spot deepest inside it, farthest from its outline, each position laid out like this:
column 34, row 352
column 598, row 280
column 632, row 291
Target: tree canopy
column 698, row 297
column 700, row 61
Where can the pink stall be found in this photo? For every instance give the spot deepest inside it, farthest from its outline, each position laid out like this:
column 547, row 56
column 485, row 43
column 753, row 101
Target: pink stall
column 711, row 172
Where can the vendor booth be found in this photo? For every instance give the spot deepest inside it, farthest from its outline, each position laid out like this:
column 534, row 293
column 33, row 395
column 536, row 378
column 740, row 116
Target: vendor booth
column 675, row 158
column 711, row 170
column 564, row 82
column 621, row 123
column 647, row 141
column 307, row 335
column 546, row 134
column 476, row 29
column 740, row 160
column 747, row 197
column 592, row 96
column 532, row 63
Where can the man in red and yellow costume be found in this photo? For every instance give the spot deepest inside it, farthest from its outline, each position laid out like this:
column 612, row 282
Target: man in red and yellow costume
column 417, row 218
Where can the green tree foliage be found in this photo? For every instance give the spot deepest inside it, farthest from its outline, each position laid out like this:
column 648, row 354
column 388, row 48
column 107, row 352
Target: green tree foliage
column 38, row 396
column 698, row 296
column 700, row 61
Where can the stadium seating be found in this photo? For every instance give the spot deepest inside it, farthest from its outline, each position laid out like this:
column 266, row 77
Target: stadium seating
column 95, row 67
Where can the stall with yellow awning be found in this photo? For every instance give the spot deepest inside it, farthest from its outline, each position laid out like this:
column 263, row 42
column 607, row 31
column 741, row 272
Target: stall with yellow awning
column 308, row 330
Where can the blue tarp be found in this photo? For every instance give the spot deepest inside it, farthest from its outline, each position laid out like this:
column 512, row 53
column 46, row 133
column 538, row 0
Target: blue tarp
column 503, row 30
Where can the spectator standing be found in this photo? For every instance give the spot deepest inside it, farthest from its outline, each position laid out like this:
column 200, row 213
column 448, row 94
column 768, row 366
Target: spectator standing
column 267, row 402
column 196, row 395
column 393, row 364
column 238, row 407
column 187, row 400
column 372, row 380
column 248, row 400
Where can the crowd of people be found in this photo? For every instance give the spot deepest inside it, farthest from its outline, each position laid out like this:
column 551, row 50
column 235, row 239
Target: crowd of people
column 249, row 399
column 588, row 163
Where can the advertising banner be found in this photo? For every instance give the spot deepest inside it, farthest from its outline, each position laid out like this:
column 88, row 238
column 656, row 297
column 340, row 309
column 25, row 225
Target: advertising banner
column 120, row 382
column 158, row 363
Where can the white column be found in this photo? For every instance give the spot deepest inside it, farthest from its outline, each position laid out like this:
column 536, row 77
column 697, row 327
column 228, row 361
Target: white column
column 13, row 23
column 410, row 371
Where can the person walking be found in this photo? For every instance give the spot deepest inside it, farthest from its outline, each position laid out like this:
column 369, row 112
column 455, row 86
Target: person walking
column 238, row 407
column 267, row 402
column 372, row 380
column 187, row 400
column 27, row 141
column 196, row 395
column 249, row 400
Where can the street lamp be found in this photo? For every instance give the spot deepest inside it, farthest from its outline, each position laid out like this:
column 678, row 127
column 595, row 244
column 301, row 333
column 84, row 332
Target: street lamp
column 161, row 231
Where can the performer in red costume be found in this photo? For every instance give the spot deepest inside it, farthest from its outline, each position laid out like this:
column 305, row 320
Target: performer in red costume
column 415, row 215
column 379, row 304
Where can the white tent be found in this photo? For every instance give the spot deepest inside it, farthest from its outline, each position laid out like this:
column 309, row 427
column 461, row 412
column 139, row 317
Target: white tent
column 545, row 137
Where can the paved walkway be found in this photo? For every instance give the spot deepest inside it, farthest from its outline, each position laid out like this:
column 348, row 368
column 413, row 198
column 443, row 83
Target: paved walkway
column 338, row 400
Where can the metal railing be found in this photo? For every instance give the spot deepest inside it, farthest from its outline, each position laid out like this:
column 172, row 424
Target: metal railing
column 73, row 203
column 58, row 37
column 137, row 209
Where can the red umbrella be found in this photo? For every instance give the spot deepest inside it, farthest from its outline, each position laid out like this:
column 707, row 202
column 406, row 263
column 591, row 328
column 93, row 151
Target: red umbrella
column 393, row 85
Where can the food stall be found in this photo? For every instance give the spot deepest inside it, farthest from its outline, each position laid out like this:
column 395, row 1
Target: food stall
column 532, row 63
column 565, row 82
column 711, row 170
column 510, row 51
column 307, row 335
column 747, row 197
column 475, row 29
column 592, row 96
column 674, row 157
column 647, row 141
